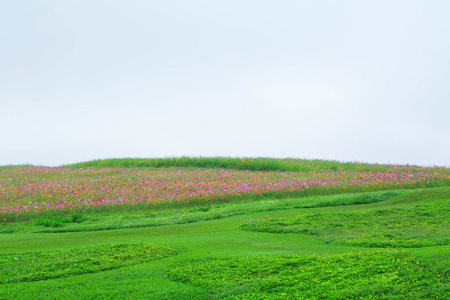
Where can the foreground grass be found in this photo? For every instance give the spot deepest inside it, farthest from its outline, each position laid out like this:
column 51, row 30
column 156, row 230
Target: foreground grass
column 217, row 260
column 392, row 275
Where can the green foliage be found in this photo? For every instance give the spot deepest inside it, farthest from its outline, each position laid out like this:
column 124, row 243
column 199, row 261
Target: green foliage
column 59, row 221
column 379, row 274
column 52, row 222
column 44, row 265
column 200, row 208
column 77, row 218
column 419, row 226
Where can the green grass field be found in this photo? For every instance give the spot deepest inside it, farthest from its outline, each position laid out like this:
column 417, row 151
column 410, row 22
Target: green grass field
column 375, row 244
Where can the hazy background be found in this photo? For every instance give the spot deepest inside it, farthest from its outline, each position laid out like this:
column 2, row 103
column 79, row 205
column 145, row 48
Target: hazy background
column 346, row 80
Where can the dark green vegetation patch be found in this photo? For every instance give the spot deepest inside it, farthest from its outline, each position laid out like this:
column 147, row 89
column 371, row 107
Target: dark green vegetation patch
column 43, row 265
column 379, row 274
column 418, row 226
column 59, row 221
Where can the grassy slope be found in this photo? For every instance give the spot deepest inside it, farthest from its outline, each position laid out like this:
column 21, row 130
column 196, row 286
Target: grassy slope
column 202, row 241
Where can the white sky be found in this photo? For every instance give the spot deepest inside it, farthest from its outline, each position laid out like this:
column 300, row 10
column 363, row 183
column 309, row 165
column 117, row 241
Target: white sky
column 346, row 80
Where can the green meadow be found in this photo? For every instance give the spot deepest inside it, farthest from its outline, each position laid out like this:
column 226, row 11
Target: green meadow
column 379, row 243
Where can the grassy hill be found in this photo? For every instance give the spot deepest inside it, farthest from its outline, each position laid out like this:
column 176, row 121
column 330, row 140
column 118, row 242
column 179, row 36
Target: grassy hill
column 333, row 231
column 245, row 163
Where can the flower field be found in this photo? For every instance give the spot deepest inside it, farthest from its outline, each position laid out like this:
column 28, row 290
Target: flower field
column 33, row 190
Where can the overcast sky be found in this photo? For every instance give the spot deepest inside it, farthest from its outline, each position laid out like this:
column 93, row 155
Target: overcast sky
column 345, row 80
